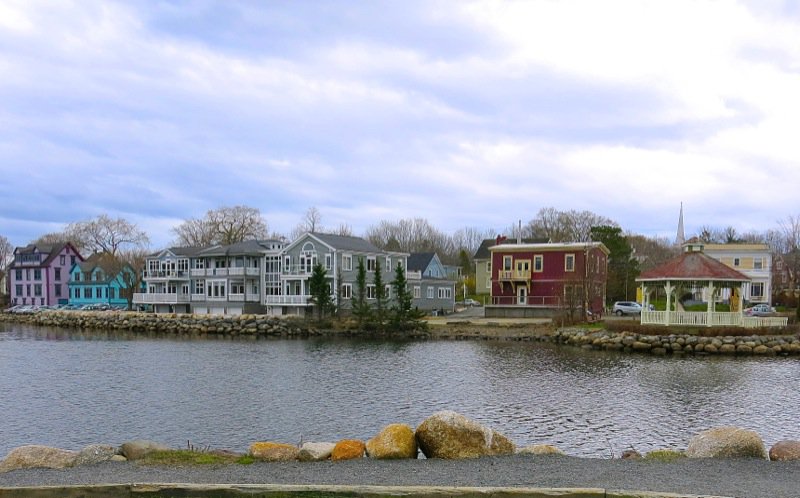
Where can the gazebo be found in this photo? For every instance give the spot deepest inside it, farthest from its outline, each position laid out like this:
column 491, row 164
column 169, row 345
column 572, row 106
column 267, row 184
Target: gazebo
column 694, row 270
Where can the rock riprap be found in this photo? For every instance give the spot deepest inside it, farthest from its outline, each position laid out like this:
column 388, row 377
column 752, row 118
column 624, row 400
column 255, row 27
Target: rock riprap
column 274, row 452
column 727, row 442
column 785, row 450
column 348, row 449
column 392, row 442
column 37, row 456
column 140, row 448
column 95, row 453
column 315, row 452
column 450, row 435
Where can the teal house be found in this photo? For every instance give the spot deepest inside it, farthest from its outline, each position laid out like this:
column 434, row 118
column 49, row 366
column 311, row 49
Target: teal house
column 99, row 281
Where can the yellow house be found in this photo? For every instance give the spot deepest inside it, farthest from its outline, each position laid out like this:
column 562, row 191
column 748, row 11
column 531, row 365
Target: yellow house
column 753, row 260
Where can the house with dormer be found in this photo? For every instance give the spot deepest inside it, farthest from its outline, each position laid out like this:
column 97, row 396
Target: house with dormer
column 339, row 256
column 99, row 280
column 430, row 283
column 39, row 273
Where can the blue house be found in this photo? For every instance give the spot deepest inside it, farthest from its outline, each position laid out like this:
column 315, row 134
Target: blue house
column 99, row 281
column 431, row 285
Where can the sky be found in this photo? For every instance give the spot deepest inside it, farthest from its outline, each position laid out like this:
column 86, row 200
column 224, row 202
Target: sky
column 464, row 113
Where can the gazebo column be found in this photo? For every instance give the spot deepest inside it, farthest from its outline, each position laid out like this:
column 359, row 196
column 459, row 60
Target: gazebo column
column 710, row 290
column 740, row 299
column 668, row 289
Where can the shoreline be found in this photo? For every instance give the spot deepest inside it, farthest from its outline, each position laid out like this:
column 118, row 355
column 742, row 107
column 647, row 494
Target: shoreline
column 531, row 330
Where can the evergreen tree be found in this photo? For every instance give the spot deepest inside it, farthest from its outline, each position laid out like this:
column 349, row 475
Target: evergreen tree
column 380, row 298
column 320, row 290
column 622, row 266
column 360, row 308
column 404, row 317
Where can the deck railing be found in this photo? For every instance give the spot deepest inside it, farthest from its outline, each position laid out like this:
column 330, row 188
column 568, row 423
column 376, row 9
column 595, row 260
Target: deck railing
column 718, row 319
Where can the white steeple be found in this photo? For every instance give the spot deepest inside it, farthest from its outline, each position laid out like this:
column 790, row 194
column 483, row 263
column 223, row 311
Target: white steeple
column 680, row 238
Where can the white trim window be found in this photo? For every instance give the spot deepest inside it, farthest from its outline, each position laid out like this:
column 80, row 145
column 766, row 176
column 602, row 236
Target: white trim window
column 347, row 291
column 387, row 291
column 430, row 292
column 538, row 263
column 372, row 263
column 569, row 262
column 758, row 263
column 757, row 290
column 417, row 292
column 445, row 293
column 215, row 289
column 237, row 287
column 371, row 291
column 347, row 262
column 199, row 286
column 328, row 261
column 388, row 264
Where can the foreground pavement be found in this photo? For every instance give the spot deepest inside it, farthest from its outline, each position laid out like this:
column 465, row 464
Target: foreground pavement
column 526, row 475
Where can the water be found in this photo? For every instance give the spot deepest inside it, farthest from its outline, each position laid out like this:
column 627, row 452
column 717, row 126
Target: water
column 71, row 389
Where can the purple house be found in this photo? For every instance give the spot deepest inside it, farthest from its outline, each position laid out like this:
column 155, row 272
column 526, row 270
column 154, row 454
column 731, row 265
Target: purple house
column 40, row 273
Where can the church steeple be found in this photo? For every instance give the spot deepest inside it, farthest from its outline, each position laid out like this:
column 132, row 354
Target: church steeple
column 680, row 238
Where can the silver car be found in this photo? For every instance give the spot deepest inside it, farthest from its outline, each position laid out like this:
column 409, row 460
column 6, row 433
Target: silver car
column 627, row 308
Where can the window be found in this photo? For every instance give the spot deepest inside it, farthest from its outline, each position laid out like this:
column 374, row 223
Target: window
column 287, row 264
column 388, row 263
column 87, row 292
column 199, row 264
column 569, row 262
column 72, row 260
column 215, row 288
column 757, row 289
column 18, row 289
column 347, row 262
column 371, row 263
column 430, row 292
column 58, row 290
column 18, row 275
column 488, row 267
column 445, row 293
column 507, row 263
column 237, row 287
column 758, row 264
column 417, row 292
column 27, row 289
column 77, row 293
column 736, row 261
column 370, row 291
column 347, row 291
column 387, row 291
column 37, row 274
column 112, row 293
column 538, row 262
column 57, row 274
column 199, row 286
column 62, row 260
column 328, row 263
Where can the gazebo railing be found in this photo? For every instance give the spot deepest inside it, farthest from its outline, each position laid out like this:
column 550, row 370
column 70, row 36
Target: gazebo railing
column 718, row 319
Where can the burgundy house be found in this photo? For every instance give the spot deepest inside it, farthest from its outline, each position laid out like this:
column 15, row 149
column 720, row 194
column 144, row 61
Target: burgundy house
column 541, row 280
column 39, row 273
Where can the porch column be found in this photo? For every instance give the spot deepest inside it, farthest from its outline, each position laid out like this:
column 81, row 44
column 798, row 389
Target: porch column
column 740, row 299
column 668, row 289
column 710, row 309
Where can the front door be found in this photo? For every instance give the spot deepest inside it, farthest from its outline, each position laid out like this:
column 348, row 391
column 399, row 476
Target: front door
column 522, row 295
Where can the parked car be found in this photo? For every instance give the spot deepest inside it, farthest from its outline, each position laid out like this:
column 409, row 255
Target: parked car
column 627, row 308
column 469, row 302
column 760, row 310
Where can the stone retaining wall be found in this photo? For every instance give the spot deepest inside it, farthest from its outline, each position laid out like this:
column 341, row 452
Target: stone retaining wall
column 266, row 326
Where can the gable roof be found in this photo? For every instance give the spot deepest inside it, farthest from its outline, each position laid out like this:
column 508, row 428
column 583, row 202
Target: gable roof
column 239, row 248
column 177, row 251
column 339, row 242
column 693, row 265
column 483, row 250
column 419, row 261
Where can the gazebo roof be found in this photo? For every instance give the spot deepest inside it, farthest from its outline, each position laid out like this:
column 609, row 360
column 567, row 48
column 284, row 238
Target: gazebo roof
column 693, row 265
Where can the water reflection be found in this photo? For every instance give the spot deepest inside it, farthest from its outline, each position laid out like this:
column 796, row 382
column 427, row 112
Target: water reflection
column 108, row 387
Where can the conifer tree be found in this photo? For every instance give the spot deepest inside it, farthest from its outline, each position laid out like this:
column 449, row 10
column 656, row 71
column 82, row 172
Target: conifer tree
column 404, row 317
column 320, row 291
column 380, row 298
column 360, row 308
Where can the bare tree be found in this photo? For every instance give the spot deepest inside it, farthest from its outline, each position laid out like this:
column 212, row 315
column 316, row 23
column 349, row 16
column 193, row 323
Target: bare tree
column 651, row 251
column 564, row 226
column 311, row 222
column 412, row 235
column 344, row 230
column 107, row 235
column 6, row 253
column 789, row 246
column 224, row 225
column 126, row 266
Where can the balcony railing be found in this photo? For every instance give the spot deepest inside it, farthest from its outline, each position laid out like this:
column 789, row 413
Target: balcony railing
column 287, row 300
column 542, row 301
column 169, row 274
column 514, row 274
column 148, row 298
column 413, row 275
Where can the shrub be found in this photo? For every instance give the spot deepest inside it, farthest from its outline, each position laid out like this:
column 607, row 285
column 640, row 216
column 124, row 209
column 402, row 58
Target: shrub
column 664, row 455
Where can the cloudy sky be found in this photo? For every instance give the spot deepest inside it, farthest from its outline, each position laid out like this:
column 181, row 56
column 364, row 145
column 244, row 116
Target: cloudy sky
column 464, row 113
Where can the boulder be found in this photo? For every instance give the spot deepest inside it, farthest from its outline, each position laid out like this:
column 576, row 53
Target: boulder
column 631, row 454
column 393, row 441
column 95, row 453
column 348, row 449
column 540, row 449
column 315, row 452
column 451, row 435
column 274, row 452
column 785, row 450
column 726, row 442
column 36, row 456
column 136, row 450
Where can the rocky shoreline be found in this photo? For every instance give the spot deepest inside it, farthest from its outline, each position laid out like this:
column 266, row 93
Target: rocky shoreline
column 261, row 326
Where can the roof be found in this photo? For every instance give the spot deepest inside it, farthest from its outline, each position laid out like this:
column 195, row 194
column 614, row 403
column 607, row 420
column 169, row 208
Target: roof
column 736, row 247
column 483, row 250
column 178, row 251
column 419, row 261
column 693, row 266
column 50, row 250
column 240, row 248
column 549, row 246
column 342, row 242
